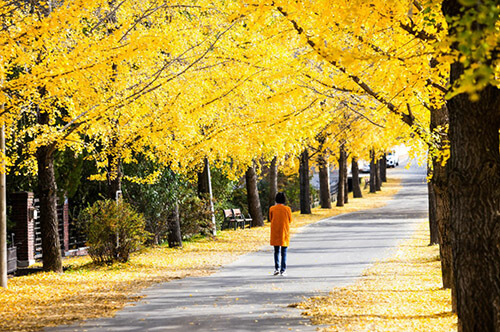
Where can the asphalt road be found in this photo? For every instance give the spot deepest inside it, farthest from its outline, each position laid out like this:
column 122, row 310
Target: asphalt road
column 245, row 296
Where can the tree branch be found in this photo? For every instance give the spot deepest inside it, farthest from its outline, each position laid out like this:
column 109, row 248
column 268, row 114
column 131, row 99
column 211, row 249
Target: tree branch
column 420, row 34
column 409, row 120
column 362, row 115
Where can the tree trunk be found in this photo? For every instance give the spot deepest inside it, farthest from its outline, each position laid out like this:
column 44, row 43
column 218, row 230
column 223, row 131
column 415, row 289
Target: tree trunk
column 114, row 175
column 203, row 189
column 324, row 183
column 305, row 195
column 253, row 197
column 439, row 201
column 47, row 188
column 373, row 173
column 383, row 168
column 439, row 223
column 378, row 180
column 346, row 183
column 474, row 205
column 115, row 181
column 356, row 188
column 433, row 227
column 174, row 229
column 439, row 183
column 273, row 182
column 474, row 180
column 342, row 177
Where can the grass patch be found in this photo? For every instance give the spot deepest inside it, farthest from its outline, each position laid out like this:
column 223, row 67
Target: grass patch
column 88, row 291
column 402, row 293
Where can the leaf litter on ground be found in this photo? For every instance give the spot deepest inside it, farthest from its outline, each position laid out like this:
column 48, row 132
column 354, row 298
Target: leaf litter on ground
column 401, row 293
column 86, row 291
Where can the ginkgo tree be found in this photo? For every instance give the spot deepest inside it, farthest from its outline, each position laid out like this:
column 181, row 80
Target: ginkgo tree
column 85, row 80
column 115, row 79
column 183, row 82
column 400, row 53
column 474, row 177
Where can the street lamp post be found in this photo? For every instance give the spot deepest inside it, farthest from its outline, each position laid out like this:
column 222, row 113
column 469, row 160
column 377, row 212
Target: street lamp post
column 214, row 229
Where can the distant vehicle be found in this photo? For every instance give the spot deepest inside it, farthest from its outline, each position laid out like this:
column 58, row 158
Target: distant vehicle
column 392, row 159
column 364, row 167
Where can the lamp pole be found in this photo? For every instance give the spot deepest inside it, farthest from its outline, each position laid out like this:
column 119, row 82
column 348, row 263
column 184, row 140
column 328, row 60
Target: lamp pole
column 214, row 229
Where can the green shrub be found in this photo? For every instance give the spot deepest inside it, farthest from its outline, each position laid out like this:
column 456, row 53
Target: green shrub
column 195, row 216
column 158, row 201
column 113, row 231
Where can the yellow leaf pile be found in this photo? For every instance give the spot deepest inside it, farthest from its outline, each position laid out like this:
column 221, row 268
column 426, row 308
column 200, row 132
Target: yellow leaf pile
column 403, row 293
column 87, row 291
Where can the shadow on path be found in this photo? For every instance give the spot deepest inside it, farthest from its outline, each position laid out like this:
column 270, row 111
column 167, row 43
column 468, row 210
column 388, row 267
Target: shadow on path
column 244, row 296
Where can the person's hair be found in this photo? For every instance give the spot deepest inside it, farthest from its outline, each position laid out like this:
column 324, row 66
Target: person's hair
column 280, row 198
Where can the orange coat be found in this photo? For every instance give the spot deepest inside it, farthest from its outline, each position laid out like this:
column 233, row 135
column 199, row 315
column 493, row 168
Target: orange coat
column 281, row 218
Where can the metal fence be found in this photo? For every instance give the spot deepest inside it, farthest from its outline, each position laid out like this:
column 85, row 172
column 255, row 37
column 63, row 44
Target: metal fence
column 11, row 259
column 77, row 238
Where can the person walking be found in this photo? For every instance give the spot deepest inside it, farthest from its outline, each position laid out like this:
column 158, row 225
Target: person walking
column 280, row 216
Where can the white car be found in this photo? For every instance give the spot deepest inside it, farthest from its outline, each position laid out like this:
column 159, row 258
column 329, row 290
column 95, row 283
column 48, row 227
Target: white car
column 364, row 167
column 392, row 159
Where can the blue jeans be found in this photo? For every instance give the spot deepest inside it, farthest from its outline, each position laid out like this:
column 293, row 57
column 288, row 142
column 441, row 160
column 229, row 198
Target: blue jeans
column 277, row 258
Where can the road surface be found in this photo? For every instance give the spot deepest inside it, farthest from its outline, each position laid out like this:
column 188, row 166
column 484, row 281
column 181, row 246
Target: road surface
column 245, row 296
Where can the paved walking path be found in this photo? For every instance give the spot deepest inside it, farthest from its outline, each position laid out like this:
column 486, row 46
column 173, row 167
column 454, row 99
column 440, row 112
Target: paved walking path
column 245, row 296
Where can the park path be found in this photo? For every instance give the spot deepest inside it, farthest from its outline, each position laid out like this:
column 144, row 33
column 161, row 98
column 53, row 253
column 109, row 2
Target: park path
column 245, row 296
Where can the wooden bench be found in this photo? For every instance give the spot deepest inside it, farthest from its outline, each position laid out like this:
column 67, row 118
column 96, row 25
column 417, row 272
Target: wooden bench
column 234, row 218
